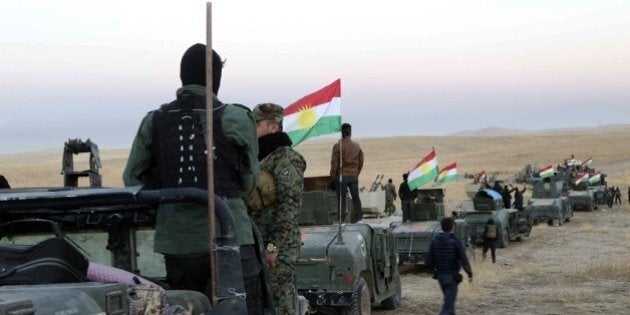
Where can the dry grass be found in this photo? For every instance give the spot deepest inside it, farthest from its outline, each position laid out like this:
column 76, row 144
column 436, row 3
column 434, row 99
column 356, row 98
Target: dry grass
column 614, row 268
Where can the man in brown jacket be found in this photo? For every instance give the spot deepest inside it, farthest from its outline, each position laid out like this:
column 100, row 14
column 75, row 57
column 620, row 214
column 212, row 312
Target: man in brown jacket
column 349, row 168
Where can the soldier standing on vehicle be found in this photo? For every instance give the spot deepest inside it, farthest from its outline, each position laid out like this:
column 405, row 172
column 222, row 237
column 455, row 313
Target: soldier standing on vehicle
column 170, row 151
column 406, row 198
column 518, row 198
column 346, row 175
column 390, row 197
column 489, row 237
column 280, row 203
column 507, row 197
column 446, row 257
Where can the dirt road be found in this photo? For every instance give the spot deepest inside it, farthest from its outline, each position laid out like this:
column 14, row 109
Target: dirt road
column 582, row 267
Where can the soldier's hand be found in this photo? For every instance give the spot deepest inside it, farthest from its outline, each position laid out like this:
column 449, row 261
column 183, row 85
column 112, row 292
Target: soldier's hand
column 470, row 279
column 272, row 259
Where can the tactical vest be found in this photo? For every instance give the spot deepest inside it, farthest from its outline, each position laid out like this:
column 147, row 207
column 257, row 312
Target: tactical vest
column 179, row 147
column 491, row 231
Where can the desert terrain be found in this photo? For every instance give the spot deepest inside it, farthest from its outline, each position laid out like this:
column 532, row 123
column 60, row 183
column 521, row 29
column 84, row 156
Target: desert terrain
column 581, row 267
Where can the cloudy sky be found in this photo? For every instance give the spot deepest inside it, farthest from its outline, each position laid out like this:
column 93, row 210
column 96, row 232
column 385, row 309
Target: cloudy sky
column 93, row 69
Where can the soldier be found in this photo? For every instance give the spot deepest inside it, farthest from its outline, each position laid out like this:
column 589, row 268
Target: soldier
column 390, row 197
column 446, row 257
column 628, row 194
column 406, row 198
column 610, row 195
column 489, row 236
column 170, row 151
column 518, row 198
column 507, row 197
column 280, row 203
column 617, row 195
column 345, row 172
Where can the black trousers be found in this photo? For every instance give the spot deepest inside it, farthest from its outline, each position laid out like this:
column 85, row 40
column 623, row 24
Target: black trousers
column 185, row 272
column 407, row 209
column 349, row 183
column 489, row 243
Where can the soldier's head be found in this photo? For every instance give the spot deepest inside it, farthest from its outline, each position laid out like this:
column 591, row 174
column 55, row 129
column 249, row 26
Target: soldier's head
column 346, row 130
column 268, row 118
column 490, row 221
column 193, row 67
column 405, row 175
column 389, row 180
column 447, row 224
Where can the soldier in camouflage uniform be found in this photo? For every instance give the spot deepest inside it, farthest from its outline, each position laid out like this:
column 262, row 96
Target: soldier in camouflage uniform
column 390, row 197
column 279, row 203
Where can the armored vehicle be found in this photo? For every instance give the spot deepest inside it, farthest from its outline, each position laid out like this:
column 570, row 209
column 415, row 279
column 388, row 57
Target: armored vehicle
column 511, row 223
column 415, row 237
column 344, row 267
column 581, row 197
column 549, row 203
column 110, row 224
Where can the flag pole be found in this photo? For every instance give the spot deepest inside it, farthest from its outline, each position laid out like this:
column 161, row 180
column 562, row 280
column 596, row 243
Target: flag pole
column 210, row 154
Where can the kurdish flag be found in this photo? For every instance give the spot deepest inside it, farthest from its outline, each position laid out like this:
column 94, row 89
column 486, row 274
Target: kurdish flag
column 588, row 162
column 581, row 179
column 570, row 161
column 546, row 171
column 424, row 172
column 314, row 115
column 447, row 174
column 595, row 179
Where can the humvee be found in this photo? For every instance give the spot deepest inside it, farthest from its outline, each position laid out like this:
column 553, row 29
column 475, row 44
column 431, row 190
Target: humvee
column 118, row 217
column 344, row 267
column 415, row 237
column 581, row 197
column 549, row 203
column 511, row 223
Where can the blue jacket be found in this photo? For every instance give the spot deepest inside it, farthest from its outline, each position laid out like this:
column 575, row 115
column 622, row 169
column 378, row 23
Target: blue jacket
column 447, row 255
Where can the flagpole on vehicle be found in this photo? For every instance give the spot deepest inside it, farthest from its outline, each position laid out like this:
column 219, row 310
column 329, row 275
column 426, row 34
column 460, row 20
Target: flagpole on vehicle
column 210, row 153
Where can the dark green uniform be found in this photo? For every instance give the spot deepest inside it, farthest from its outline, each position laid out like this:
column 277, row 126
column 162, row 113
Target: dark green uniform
column 390, row 196
column 278, row 222
column 182, row 229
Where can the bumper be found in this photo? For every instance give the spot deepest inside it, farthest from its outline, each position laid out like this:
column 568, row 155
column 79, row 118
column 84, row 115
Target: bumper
column 316, row 299
column 413, row 258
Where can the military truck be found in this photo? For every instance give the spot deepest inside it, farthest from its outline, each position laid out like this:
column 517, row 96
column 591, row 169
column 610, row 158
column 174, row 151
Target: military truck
column 549, row 203
column 415, row 237
column 109, row 223
column 511, row 223
column 581, row 197
column 344, row 267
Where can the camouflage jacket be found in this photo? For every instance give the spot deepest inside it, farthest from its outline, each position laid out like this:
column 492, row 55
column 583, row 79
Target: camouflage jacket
column 390, row 191
column 278, row 223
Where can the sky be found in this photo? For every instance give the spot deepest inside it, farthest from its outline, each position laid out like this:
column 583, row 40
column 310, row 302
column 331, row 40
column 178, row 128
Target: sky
column 86, row 69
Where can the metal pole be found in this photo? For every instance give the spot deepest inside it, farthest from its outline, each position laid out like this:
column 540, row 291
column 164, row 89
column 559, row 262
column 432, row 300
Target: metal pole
column 210, row 153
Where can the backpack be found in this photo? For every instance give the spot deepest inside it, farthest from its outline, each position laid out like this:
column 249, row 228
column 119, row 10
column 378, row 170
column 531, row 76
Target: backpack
column 491, row 231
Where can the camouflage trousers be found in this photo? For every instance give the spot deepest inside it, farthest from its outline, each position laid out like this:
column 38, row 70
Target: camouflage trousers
column 390, row 208
column 282, row 278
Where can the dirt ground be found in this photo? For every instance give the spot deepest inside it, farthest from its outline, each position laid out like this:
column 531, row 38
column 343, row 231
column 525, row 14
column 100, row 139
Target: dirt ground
column 581, row 267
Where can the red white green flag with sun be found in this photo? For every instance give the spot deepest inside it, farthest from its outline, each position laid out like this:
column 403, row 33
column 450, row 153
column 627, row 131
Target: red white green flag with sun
column 314, row 115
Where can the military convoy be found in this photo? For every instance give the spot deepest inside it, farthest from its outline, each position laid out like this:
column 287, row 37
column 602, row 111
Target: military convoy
column 415, row 237
column 344, row 267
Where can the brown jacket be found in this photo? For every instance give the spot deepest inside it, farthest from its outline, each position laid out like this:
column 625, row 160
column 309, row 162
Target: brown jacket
column 352, row 156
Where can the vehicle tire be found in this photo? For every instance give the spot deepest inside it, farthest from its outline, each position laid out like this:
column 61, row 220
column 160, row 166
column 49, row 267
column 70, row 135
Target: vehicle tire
column 393, row 302
column 550, row 222
column 361, row 304
column 505, row 239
